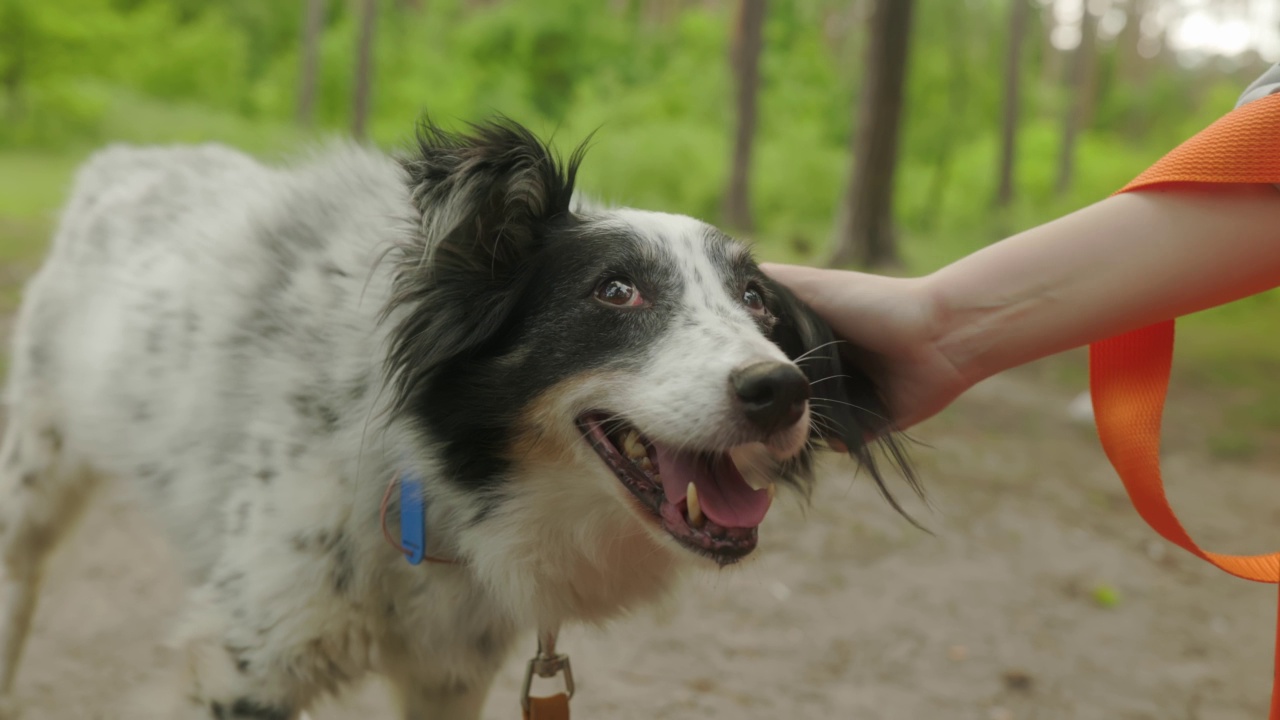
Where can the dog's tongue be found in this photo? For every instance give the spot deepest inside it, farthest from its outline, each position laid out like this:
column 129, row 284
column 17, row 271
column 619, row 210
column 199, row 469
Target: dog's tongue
column 723, row 494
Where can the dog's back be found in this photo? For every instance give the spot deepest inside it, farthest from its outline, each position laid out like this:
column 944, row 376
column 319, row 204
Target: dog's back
column 205, row 328
column 175, row 269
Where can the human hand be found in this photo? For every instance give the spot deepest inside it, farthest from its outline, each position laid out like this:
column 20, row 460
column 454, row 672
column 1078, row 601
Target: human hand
column 897, row 319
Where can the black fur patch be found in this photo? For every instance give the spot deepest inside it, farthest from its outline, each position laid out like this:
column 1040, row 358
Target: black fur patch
column 242, row 518
column 503, row 309
column 54, row 437
column 314, row 408
column 486, row 645
column 238, row 656
column 246, row 709
column 343, row 568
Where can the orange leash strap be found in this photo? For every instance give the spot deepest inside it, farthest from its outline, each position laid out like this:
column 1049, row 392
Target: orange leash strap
column 1129, row 374
column 552, row 707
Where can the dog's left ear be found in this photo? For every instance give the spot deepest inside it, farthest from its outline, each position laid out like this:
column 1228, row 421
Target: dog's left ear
column 484, row 200
column 483, row 196
column 847, row 408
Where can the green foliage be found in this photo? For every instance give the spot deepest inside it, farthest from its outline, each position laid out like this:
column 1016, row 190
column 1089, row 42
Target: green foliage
column 659, row 89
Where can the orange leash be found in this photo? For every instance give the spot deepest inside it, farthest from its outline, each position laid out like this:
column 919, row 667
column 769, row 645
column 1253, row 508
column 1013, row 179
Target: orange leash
column 553, row 707
column 1129, row 374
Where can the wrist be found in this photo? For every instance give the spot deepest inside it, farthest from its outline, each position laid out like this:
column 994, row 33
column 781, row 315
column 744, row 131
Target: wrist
column 967, row 326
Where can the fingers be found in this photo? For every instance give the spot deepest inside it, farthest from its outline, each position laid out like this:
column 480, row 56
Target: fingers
column 826, row 291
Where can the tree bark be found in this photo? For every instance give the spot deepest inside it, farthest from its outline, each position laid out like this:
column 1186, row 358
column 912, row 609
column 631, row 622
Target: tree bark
column 364, row 68
column 1012, row 101
column 13, row 34
column 1073, row 119
column 866, row 234
column 1128, row 61
column 958, row 91
column 1051, row 62
column 745, row 59
column 309, row 61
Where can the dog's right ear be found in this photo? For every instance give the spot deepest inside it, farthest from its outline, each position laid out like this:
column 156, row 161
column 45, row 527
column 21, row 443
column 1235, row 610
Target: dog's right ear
column 847, row 407
column 484, row 199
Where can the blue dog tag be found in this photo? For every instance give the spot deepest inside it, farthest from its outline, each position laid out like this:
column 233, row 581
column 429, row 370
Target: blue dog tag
column 413, row 520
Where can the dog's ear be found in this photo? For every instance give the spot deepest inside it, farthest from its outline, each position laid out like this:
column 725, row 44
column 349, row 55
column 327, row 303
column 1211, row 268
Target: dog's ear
column 847, row 408
column 482, row 196
column 483, row 199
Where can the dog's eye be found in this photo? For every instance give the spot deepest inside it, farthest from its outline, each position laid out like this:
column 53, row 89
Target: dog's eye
column 753, row 298
column 620, row 292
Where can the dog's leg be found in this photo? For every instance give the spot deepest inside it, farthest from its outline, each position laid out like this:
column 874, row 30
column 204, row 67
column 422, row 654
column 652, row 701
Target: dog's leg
column 434, row 701
column 40, row 500
column 204, row 680
column 268, row 630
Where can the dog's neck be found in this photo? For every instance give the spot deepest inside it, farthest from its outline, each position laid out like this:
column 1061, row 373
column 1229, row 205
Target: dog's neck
column 552, row 556
column 555, row 548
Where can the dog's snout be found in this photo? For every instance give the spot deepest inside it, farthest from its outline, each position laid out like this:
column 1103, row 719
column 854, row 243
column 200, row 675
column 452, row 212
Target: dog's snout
column 772, row 394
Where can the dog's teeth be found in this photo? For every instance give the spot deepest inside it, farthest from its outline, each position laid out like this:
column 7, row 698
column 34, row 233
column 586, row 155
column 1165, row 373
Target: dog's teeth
column 695, row 510
column 773, row 490
column 632, row 446
column 645, row 464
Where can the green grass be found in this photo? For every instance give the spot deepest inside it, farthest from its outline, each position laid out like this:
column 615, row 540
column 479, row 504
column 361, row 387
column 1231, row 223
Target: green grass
column 32, row 185
column 134, row 119
column 35, row 183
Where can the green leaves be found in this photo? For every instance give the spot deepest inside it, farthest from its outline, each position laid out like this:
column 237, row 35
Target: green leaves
column 652, row 76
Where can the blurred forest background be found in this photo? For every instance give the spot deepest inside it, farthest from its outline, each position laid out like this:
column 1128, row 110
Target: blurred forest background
column 895, row 134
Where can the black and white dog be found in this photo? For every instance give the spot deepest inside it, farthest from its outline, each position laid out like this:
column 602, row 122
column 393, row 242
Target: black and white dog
column 584, row 400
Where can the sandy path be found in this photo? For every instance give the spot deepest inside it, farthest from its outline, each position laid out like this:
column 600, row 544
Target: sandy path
column 847, row 612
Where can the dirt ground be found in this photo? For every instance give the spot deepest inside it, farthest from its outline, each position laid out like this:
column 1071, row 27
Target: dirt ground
column 1041, row 596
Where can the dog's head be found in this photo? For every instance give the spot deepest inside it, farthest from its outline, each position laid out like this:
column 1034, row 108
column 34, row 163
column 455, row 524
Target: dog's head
column 643, row 355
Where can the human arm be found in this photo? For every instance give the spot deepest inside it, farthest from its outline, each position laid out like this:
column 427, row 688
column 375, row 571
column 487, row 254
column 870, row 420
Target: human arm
column 1119, row 264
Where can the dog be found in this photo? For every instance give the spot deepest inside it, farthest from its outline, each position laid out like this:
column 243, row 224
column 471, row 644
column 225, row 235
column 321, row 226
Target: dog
column 580, row 401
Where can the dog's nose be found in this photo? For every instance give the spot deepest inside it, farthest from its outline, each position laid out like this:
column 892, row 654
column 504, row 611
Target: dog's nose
column 772, row 394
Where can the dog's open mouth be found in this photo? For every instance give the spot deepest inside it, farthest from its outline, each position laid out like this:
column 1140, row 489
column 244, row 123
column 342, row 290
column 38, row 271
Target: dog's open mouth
column 700, row 498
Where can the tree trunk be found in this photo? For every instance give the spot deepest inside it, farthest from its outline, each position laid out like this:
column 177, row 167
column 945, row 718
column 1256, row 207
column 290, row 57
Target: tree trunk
column 957, row 97
column 745, row 58
column 1012, row 100
column 13, row 35
column 1074, row 118
column 309, row 61
column 866, row 233
column 1051, row 62
column 364, row 67
column 1089, row 88
column 1128, row 60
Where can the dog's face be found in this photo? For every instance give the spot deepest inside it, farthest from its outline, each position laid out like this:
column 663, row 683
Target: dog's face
column 647, row 352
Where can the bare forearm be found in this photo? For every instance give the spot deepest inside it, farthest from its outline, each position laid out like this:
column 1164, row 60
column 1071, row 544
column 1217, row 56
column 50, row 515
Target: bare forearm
column 1120, row 264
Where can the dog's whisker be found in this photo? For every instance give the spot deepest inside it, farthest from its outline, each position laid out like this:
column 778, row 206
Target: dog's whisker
column 831, row 377
column 864, row 409
column 815, row 349
column 832, row 427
